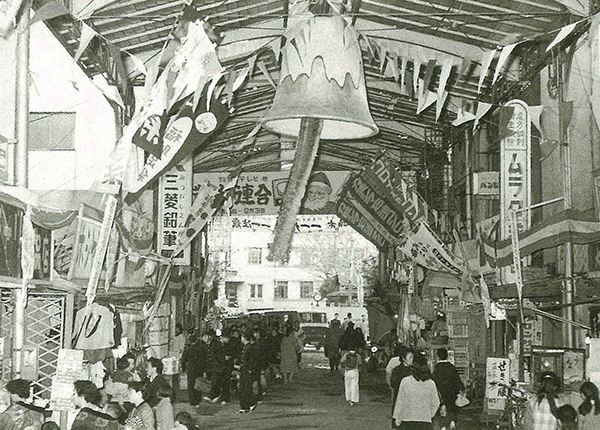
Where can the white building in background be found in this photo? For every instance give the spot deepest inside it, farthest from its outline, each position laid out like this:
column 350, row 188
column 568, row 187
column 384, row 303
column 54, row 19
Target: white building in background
column 72, row 125
column 251, row 282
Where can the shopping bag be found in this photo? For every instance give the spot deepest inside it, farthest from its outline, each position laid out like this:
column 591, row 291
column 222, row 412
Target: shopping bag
column 202, row 385
column 462, row 401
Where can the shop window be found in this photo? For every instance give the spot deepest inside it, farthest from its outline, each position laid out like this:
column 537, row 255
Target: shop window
column 52, row 131
column 306, row 289
column 256, row 291
column 254, row 255
column 281, row 290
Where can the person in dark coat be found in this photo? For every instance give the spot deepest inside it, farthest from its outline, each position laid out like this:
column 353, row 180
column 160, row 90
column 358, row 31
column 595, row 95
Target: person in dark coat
column 399, row 373
column 216, row 363
column 247, row 397
column 193, row 363
column 351, row 340
column 273, row 351
column 332, row 344
column 449, row 385
column 154, row 369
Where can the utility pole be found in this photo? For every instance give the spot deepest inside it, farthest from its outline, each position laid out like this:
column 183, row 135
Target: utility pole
column 565, row 156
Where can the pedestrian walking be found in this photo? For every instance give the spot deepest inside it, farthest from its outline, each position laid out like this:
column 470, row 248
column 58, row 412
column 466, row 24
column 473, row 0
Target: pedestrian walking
column 301, row 338
column 177, row 347
column 400, row 372
column 154, row 369
column 193, row 363
column 449, row 385
column 247, row 397
column 289, row 359
column 540, row 412
column 589, row 410
column 351, row 362
column 418, row 400
column 332, row 344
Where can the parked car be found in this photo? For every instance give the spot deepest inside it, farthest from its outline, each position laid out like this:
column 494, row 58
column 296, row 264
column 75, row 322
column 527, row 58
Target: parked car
column 315, row 326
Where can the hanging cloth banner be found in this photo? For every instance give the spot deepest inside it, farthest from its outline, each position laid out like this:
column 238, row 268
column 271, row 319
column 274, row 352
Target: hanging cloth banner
column 208, row 202
column 482, row 109
column 441, row 91
column 190, row 130
column 485, row 297
column 565, row 226
column 486, row 62
column 423, row 247
column 48, row 11
column 27, row 249
column 384, row 178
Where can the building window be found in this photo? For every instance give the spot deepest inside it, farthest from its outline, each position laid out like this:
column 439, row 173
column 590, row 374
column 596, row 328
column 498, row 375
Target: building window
column 256, row 291
column 254, row 255
column 52, row 131
column 306, row 289
column 281, row 290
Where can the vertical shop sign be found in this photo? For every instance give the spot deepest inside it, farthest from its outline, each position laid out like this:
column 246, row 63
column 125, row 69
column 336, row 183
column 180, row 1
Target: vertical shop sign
column 515, row 176
column 174, row 204
column 496, row 381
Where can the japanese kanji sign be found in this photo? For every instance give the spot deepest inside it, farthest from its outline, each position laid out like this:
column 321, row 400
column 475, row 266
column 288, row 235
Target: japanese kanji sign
column 515, row 174
column 261, row 193
column 497, row 378
column 174, row 204
column 425, row 249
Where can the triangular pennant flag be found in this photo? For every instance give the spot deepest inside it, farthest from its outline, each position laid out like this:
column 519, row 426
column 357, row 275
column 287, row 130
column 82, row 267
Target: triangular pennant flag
column 403, row 75
column 116, row 54
column 389, row 70
column 382, row 56
column 463, row 116
column 241, row 77
column 562, row 34
column 429, row 73
column 577, row 7
column 506, row 114
column 109, row 91
column 415, row 198
column 486, row 61
column 263, row 68
column 152, row 75
column 504, row 54
column 49, row 11
column 211, row 89
column 426, row 98
column 275, row 46
column 393, row 60
column 435, row 216
column 441, row 91
column 87, row 34
column 139, row 64
column 230, row 83
column 465, row 64
column 416, row 73
column 250, row 138
column 482, row 109
column 535, row 114
column 251, row 62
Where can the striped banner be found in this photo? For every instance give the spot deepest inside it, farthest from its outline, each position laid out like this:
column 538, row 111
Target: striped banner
column 558, row 229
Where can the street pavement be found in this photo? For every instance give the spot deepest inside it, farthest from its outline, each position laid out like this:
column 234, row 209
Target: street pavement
column 315, row 400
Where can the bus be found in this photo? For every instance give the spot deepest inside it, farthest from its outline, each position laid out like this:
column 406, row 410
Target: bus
column 315, row 326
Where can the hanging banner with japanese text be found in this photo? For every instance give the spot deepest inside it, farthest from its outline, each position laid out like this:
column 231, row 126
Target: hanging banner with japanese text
column 390, row 184
column 261, row 193
column 425, row 249
column 354, row 215
column 87, row 236
column 496, row 382
column 515, row 175
column 174, row 204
